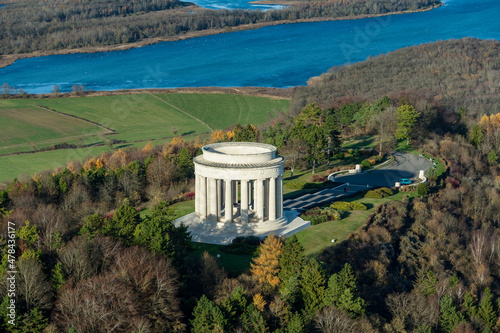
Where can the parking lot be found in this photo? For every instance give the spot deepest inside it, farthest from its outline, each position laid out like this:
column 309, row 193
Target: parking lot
column 404, row 166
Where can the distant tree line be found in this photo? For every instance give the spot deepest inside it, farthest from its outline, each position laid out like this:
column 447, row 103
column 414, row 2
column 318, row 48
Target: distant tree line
column 31, row 25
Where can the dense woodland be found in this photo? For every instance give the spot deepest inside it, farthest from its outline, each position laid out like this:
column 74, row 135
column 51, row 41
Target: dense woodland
column 89, row 262
column 452, row 74
column 31, row 25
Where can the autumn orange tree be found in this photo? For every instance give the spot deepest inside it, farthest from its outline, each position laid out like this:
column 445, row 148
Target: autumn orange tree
column 266, row 266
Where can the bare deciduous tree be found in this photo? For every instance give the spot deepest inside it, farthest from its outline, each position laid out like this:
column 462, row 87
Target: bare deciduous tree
column 331, row 320
column 34, row 288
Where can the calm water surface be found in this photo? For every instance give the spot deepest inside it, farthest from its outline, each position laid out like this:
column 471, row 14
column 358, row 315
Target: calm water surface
column 276, row 56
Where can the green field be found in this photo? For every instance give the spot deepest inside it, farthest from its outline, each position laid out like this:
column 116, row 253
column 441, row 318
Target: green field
column 24, row 126
column 135, row 119
column 222, row 111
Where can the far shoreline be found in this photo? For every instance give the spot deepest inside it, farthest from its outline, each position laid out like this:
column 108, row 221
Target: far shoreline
column 9, row 59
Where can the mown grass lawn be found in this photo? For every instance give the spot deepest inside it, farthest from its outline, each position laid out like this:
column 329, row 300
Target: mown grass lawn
column 183, row 208
column 362, row 142
column 316, row 238
column 234, row 264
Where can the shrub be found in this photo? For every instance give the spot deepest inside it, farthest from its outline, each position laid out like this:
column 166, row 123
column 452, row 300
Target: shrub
column 318, row 178
column 366, row 164
column 240, row 248
column 388, row 192
column 334, row 215
column 320, row 215
column 296, row 185
column 339, row 156
column 373, row 194
column 379, row 193
column 341, row 205
column 358, row 206
column 316, row 219
column 250, row 240
column 422, row 189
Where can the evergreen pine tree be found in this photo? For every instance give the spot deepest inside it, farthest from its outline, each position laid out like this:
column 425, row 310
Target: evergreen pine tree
column 233, row 307
column 184, row 164
column 57, row 277
column 123, row 223
column 312, row 288
column 296, row 324
column 423, row 329
column 291, row 263
column 487, row 310
column 342, row 292
column 426, row 283
column 208, row 318
column 450, row 317
column 34, row 322
column 252, row 321
column 470, row 305
column 291, row 259
column 407, row 119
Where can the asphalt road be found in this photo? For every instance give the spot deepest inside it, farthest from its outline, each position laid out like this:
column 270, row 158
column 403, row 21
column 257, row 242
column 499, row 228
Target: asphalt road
column 404, row 166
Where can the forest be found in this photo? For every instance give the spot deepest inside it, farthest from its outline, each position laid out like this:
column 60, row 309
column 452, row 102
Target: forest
column 89, row 259
column 30, row 25
column 453, row 74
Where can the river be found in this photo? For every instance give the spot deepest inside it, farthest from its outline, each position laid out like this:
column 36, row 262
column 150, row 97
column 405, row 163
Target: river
column 274, row 56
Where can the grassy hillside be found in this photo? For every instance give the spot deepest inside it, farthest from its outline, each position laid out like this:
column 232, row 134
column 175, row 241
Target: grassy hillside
column 221, row 111
column 24, row 124
column 456, row 73
column 132, row 119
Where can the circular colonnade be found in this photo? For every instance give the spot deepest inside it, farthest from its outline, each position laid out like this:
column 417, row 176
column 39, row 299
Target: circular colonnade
column 239, row 182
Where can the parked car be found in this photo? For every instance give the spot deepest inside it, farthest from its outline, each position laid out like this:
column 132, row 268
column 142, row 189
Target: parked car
column 405, row 181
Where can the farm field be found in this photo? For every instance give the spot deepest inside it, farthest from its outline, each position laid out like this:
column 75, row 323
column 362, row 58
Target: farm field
column 134, row 119
column 24, row 125
column 222, row 111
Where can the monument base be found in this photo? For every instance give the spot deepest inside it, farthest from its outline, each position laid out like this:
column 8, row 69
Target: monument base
column 223, row 233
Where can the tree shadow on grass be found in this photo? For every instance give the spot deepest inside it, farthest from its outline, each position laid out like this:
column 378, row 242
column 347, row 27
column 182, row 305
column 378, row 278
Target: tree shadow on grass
column 368, row 205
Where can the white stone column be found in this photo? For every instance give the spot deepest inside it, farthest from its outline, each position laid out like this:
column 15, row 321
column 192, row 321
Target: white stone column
column 203, row 198
column 244, row 201
column 228, row 208
column 260, row 199
column 279, row 192
column 213, row 198
column 272, row 198
column 266, row 199
column 254, row 206
column 219, row 199
column 235, row 191
column 197, row 195
column 251, row 204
